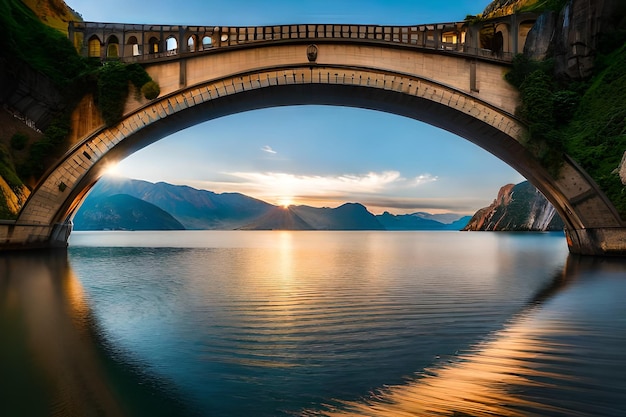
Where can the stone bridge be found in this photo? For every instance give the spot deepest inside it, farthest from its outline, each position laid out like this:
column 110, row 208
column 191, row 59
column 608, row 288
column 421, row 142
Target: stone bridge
column 449, row 75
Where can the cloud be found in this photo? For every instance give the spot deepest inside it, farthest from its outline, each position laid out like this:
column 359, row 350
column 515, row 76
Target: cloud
column 268, row 149
column 371, row 188
column 283, row 183
column 422, row 179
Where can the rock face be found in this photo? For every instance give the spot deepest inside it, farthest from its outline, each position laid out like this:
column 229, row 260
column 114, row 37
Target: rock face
column 539, row 40
column 578, row 31
column 574, row 36
column 28, row 94
column 503, row 7
column 517, row 208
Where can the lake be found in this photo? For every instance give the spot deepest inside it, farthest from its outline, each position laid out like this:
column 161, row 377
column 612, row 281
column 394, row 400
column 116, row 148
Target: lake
column 312, row 323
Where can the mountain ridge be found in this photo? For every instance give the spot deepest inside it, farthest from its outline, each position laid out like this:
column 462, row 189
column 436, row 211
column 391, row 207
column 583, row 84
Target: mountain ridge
column 205, row 210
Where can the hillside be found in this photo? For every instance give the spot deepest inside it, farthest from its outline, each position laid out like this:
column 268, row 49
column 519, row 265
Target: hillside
column 517, row 208
column 195, row 209
column 54, row 13
column 123, row 212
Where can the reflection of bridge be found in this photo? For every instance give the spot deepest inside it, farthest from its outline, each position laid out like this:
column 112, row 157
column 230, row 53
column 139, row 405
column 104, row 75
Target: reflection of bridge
column 439, row 74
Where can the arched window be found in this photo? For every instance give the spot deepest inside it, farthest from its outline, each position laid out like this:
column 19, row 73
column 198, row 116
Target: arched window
column 132, row 42
column 113, row 47
column 94, row 46
column 207, row 42
column 172, row 45
column 154, row 45
column 191, row 44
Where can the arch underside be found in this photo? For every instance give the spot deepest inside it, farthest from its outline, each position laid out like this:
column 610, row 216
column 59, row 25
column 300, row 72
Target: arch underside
column 457, row 112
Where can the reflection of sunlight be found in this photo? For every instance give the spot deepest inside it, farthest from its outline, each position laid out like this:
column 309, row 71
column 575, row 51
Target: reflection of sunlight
column 286, row 256
column 482, row 383
column 539, row 362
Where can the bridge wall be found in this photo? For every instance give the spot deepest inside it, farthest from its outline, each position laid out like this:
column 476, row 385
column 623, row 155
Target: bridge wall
column 481, row 79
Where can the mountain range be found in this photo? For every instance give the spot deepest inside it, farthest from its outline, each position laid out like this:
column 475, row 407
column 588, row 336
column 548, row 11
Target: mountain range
column 163, row 206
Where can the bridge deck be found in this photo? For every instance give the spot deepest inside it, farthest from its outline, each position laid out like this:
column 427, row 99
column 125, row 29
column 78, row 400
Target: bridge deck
column 141, row 43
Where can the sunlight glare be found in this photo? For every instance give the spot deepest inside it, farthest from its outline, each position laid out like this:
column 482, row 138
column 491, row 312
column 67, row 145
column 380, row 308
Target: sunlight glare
column 285, row 202
column 112, row 170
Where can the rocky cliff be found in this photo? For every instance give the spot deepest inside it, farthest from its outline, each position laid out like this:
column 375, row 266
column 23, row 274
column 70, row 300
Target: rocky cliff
column 575, row 35
column 517, row 208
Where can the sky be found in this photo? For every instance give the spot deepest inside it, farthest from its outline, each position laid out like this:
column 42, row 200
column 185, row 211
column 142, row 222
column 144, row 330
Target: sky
column 386, row 162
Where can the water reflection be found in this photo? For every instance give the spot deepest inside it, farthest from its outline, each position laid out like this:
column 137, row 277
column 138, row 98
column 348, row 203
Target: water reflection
column 52, row 362
column 293, row 321
column 563, row 356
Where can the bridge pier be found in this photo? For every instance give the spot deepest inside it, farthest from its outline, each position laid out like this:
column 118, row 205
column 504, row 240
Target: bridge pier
column 608, row 241
column 16, row 236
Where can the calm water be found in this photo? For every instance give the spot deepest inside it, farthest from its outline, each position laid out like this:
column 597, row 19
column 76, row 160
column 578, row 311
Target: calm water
column 312, row 324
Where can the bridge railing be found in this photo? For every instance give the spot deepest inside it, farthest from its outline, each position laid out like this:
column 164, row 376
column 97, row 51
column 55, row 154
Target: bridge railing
column 133, row 42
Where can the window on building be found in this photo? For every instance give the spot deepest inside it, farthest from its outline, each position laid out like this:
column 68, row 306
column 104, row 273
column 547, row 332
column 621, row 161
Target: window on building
column 94, row 47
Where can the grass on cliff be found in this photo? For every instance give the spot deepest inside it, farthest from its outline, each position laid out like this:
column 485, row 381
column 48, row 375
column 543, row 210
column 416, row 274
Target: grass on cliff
column 584, row 119
column 24, row 37
column 26, row 40
column 596, row 135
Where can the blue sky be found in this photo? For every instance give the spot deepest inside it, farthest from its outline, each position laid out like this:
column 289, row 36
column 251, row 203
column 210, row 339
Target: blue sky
column 384, row 161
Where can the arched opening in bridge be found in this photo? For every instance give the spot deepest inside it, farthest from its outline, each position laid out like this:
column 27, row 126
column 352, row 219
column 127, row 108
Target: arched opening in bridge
column 207, row 42
column 192, row 41
column 94, row 47
column 325, row 156
column 171, row 45
column 154, row 45
column 524, row 29
column 134, row 46
column 113, row 47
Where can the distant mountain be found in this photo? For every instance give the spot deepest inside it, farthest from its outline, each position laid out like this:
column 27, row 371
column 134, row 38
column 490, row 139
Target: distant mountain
column 123, row 212
column 279, row 218
column 421, row 221
column 206, row 210
column 518, row 207
column 349, row 216
column 195, row 209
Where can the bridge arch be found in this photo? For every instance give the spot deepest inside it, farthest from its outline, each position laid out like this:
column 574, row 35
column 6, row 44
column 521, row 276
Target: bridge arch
column 463, row 95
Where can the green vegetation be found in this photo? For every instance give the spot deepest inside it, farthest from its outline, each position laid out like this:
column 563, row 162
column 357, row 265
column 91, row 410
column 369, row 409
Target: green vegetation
column 27, row 42
column 596, row 136
column 19, row 141
column 586, row 120
column 150, row 90
column 113, row 82
column 43, row 48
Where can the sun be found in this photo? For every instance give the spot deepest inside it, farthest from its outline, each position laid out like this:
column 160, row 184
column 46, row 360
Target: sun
column 112, row 170
column 285, row 202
